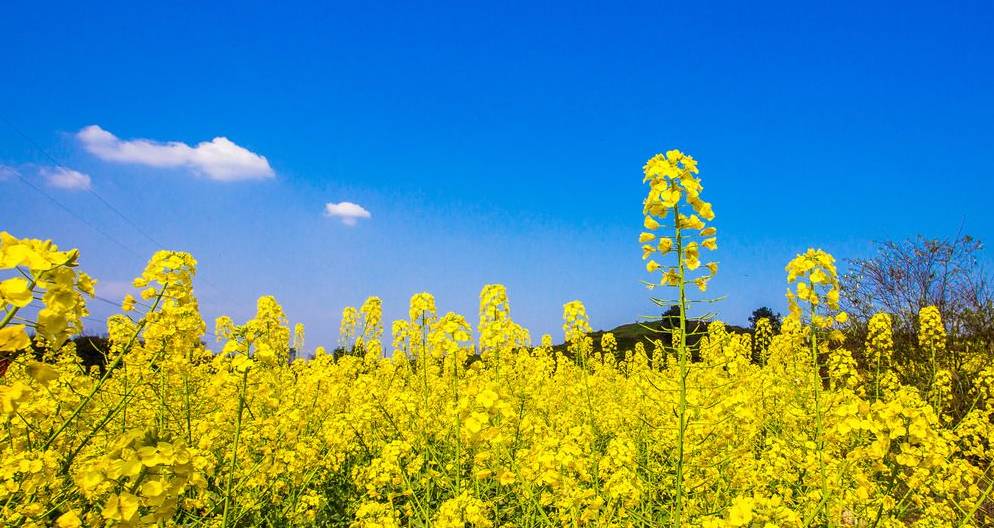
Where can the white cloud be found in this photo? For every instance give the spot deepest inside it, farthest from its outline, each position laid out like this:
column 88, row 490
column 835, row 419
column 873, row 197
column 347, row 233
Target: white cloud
column 218, row 159
column 348, row 212
column 63, row 178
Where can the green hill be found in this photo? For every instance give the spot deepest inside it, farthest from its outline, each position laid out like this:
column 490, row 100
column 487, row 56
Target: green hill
column 627, row 335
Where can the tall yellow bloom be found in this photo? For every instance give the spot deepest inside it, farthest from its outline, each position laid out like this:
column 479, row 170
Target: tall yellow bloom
column 673, row 182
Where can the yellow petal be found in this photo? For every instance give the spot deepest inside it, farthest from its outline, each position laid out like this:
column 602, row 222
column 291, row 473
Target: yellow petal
column 16, row 291
column 13, row 338
column 42, row 372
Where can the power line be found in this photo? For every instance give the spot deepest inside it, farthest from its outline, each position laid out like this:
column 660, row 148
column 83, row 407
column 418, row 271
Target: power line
column 137, row 228
column 107, row 301
column 82, row 220
column 156, row 244
column 107, row 204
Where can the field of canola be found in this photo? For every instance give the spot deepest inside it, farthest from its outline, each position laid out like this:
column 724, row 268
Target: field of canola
column 454, row 425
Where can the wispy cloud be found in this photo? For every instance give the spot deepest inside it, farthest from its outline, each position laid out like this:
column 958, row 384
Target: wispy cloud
column 349, row 213
column 219, row 159
column 63, row 178
column 7, row 173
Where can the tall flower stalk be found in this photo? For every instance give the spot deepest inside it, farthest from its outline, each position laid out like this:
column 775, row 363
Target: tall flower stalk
column 814, row 301
column 672, row 184
column 932, row 340
column 879, row 346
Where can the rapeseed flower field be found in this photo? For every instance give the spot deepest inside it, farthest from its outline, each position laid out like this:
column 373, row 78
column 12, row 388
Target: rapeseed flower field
column 450, row 422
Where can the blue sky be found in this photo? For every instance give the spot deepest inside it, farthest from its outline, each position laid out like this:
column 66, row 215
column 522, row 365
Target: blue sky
column 489, row 143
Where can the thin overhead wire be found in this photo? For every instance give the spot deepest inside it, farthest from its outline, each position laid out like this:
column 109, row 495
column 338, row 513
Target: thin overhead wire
column 79, row 218
column 90, row 190
column 134, row 225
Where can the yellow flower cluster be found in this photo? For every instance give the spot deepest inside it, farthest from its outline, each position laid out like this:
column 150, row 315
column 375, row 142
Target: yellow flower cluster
column 880, row 339
column 576, row 326
column 347, row 328
column 497, row 331
column 422, row 313
column 372, row 327
column 42, row 271
column 816, row 280
column 931, row 332
column 609, row 344
column 762, row 338
column 672, row 183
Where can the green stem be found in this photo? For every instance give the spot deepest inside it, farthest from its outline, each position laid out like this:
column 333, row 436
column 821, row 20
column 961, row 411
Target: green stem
column 683, row 362
column 104, row 378
column 457, row 466
column 121, row 405
column 234, row 449
column 819, row 426
column 876, row 380
column 979, row 502
column 161, row 411
column 186, row 397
